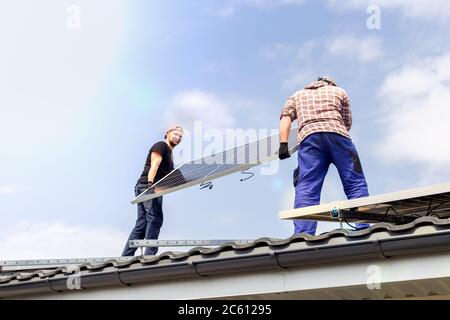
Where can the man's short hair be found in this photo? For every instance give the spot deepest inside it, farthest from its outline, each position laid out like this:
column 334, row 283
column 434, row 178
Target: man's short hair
column 328, row 80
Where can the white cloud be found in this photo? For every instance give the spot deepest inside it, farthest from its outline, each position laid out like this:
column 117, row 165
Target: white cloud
column 430, row 10
column 206, row 118
column 224, row 69
column 312, row 58
column 55, row 240
column 227, row 11
column 351, row 47
column 197, row 105
column 7, row 190
column 301, row 70
column 270, row 3
column 276, row 51
column 416, row 109
column 233, row 5
column 429, row 175
column 297, row 80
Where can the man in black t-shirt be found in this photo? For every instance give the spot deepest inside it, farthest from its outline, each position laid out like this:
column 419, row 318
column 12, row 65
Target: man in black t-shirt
column 158, row 164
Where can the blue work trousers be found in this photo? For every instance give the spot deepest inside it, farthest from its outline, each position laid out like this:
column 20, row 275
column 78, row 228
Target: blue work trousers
column 316, row 152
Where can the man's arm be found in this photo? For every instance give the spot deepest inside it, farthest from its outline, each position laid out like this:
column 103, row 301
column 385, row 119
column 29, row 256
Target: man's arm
column 156, row 159
column 288, row 115
column 346, row 112
column 285, row 127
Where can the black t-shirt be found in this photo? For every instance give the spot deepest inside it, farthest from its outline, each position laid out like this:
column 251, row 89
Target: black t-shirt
column 165, row 167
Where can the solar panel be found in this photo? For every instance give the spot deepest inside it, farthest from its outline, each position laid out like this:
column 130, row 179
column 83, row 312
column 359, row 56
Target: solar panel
column 218, row 165
column 397, row 207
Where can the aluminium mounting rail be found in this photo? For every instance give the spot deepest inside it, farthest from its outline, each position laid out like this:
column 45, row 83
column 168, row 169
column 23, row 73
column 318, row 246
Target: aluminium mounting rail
column 183, row 243
column 7, row 265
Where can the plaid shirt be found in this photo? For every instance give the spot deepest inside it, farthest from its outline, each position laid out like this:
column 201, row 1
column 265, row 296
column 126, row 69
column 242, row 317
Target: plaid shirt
column 319, row 107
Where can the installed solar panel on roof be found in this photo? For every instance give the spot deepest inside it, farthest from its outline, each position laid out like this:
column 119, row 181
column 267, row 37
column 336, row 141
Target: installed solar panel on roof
column 397, row 207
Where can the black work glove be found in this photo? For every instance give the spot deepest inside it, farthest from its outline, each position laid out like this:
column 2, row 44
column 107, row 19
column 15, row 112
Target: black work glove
column 283, row 153
column 149, row 185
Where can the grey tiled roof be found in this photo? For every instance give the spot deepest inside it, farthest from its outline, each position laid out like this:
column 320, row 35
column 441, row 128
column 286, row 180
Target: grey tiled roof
column 425, row 234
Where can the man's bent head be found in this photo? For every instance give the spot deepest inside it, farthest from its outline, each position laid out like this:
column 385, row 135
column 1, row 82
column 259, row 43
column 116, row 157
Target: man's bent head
column 174, row 134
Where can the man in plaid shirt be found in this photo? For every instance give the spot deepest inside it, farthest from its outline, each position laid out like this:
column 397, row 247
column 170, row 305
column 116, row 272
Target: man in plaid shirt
column 324, row 117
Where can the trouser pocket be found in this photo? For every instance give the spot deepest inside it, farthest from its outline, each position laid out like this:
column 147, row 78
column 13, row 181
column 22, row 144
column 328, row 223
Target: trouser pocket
column 296, row 176
column 356, row 162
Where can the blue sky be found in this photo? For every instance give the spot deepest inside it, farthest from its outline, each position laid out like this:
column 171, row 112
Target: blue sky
column 80, row 108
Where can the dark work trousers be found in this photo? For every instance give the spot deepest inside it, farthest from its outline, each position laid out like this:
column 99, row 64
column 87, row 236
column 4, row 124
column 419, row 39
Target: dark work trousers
column 148, row 223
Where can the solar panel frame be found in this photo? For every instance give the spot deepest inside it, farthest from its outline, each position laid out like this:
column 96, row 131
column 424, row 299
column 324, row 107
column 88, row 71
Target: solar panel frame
column 213, row 169
column 396, row 206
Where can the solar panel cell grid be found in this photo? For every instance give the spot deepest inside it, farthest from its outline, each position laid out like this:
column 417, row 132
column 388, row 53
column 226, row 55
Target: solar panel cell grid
column 219, row 164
